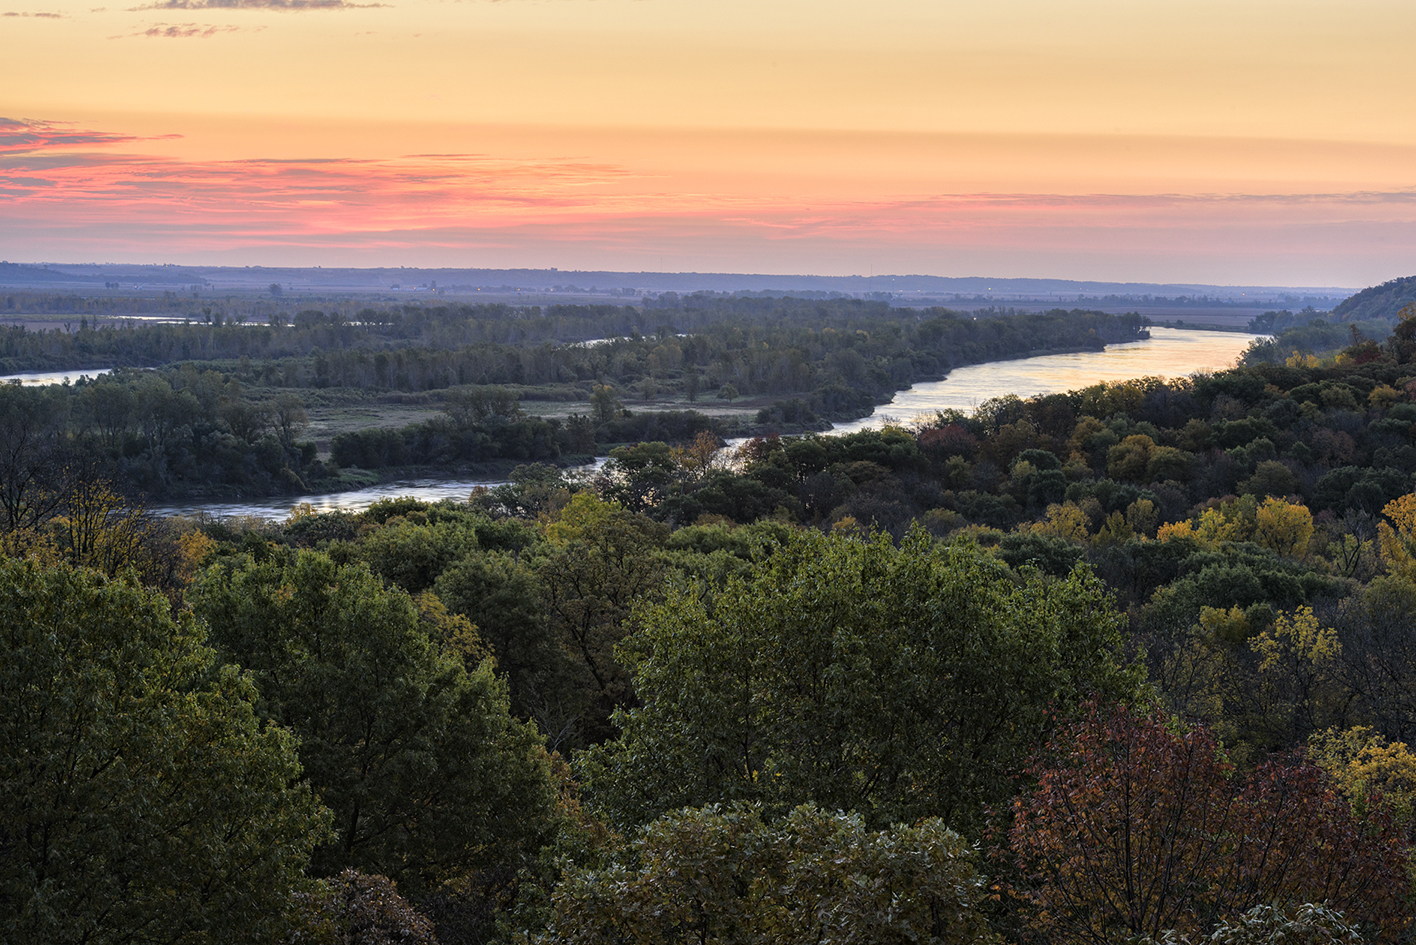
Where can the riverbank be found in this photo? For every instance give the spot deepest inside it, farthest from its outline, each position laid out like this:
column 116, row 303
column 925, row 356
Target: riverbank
column 1168, row 352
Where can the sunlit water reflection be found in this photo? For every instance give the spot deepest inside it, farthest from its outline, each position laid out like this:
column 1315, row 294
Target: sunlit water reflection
column 1169, row 352
column 51, row 377
column 356, row 500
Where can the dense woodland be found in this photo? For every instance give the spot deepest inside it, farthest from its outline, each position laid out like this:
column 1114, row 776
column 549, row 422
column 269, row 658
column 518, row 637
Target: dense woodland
column 225, row 412
column 1131, row 663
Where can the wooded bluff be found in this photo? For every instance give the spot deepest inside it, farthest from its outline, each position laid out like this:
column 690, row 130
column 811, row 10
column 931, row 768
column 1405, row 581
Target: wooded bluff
column 1130, row 662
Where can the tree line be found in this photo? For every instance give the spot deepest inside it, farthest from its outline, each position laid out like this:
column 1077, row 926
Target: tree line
column 235, row 424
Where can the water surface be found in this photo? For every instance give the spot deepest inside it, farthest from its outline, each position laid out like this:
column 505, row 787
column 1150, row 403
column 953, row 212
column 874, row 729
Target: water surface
column 1169, row 352
column 355, row 500
column 51, row 377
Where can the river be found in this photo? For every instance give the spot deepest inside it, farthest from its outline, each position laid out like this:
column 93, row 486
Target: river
column 37, row 378
column 1169, row 352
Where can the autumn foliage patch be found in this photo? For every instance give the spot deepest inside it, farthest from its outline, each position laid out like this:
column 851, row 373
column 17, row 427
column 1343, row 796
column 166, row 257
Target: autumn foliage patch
column 1137, row 827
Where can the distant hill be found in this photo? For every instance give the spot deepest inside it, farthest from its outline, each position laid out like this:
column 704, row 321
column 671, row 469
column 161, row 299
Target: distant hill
column 926, row 289
column 17, row 274
column 1378, row 303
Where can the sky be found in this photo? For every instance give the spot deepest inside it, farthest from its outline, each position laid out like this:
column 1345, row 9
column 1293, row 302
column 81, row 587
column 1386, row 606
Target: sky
column 1254, row 142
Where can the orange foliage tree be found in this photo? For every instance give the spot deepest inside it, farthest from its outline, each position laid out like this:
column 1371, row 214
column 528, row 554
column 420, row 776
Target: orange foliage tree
column 1138, row 828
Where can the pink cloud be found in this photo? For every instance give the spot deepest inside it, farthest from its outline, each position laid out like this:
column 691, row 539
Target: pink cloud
column 44, row 180
column 60, row 196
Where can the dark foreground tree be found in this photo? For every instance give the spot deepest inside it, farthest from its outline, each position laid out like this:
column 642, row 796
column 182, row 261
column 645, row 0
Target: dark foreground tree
column 430, row 779
column 355, row 909
column 141, row 800
column 725, row 876
column 897, row 682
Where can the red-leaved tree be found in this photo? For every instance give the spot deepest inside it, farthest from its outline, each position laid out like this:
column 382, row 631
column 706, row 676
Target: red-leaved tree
column 1138, row 827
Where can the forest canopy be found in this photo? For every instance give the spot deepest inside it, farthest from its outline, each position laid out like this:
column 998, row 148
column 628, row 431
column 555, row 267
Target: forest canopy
column 1131, row 662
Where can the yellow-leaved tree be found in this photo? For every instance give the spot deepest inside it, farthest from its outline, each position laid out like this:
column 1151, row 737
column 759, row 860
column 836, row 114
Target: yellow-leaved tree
column 1398, row 544
column 1297, row 678
column 1368, row 767
column 1064, row 521
column 1283, row 526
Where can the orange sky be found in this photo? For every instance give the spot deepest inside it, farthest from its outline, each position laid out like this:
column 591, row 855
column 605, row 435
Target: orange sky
column 1236, row 142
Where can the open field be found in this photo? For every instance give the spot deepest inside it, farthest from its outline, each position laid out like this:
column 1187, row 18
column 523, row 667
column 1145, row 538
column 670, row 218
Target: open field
column 333, row 412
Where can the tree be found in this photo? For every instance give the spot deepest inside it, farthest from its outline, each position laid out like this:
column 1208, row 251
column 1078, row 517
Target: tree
column 33, row 457
column 639, row 477
column 356, row 909
column 289, row 419
column 599, row 563
column 1369, row 770
column 698, row 458
column 470, row 406
column 98, row 528
column 726, row 875
column 900, row 683
column 412, row 554
column 505, row 597
column 1129, row 458
column 1285, row 527
column 141, row 800
column 605, row 403
column 1306, row 923
column 1378, row 654
column 1398, row 545
column 1137, row 827
column 1297, row 676
column 429, row 777
column 246, row 421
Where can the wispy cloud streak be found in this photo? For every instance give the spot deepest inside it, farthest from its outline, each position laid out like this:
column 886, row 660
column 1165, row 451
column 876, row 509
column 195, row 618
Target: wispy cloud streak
column 282, row 5
column 27, row 135
column 184, row 31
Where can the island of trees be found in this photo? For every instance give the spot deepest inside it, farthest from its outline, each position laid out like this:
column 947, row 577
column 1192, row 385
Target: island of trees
column 1128, row 663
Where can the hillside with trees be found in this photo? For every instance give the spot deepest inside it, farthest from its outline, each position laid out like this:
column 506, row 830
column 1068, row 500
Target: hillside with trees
column 1127, row 663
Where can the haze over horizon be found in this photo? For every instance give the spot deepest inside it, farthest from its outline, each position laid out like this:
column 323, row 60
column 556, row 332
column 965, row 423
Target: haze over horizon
column 1258, row 143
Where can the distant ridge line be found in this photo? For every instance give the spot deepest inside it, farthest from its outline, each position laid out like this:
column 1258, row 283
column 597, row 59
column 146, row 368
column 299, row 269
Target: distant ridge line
column 355, row 278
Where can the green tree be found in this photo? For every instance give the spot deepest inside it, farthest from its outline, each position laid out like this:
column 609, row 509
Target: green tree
column 141, row 799
column 726, row 876
column 605, row 403
column 429, row 777
column 289, row 419
column 901, row 683
column 503, row 595
column 33, row 457
column 412, row 554
column 599, row 561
